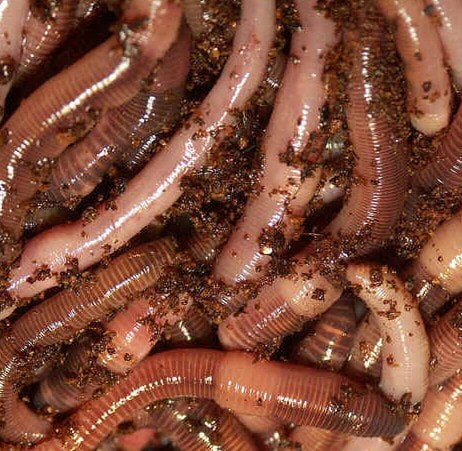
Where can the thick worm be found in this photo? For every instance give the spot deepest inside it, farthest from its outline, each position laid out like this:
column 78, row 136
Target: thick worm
column 449, row 17
column 62, row 108
column 61, row 317
column 438, row 425
column 280, row 308
column 379, row 176
column 287, row 392
column 328, row 346
column 158, row 185
column 418, row 42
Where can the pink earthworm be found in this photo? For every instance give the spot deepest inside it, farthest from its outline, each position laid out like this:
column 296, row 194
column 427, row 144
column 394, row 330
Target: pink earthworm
column 132, row 334
column 62, row 316
column 158, row 185
column 234, row 380
column 438, row 425
column 366, row 354
column 436, row 274
column 134, row 441
column 446, row 345
column 81, row 167
column 418, row 42
column 449, row 16
column 13, row 14
column 45, row 29
column 374, row 444
column 197, row 425
column 328, row 346
column 295, row 118
column 117, row 68
column 280, row 308
column 405, row 353
column 380, row 179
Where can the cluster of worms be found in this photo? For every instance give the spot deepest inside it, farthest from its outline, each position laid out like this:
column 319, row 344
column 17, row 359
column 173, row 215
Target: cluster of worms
column 230, row 225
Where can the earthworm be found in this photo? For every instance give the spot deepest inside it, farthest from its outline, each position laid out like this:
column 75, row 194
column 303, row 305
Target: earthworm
column 194, row 13
column 444, row 170
column 418, row 42
column 316, row 439
column 366, row 351
column 373, row 444
column 269, row 431
column 193, row 329
column 234, row 380
column 449, row 16
column 435, row 276
column 13, row 14
column 438, row 425
column 34, row 134
column 331, row 188
column 405, row 353
column 197, row 425
column 63, row 316
column 377, row 195
column 328, row 346
column 280, row 308
column 46, row 27
column 445, row 345
column 81, row 167
column 295, row 117
column 157, row 186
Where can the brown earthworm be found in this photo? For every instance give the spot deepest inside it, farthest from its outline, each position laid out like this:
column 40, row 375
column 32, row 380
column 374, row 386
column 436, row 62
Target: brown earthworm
column 418, row 42
column 315, row 439
column 62, row 316
column 157, row 186
column 438, row 425
column 295, row 118
column 328, row 346
column 377, row 195
column 288, row 392
column 34, row 134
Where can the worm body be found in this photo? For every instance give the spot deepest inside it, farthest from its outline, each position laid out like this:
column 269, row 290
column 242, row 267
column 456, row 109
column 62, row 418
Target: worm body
column 279, row 309
column 418, row 42
column 405, row 353
column 157, row 186
column 68, row 103
column 329, row 344
column 377, row 195
column 297, row 108
column 234, row 381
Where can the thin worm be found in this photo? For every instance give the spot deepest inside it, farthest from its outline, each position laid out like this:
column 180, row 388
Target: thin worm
column 295, row 117
column 377, row 195
column 449, row 16
column 438, row 425
column 418, row 42
column 328, row 346
column 13, row 15
column 405, row 353
column 280, row 308
column 55, row 114
column 81, row 167
column 62, row 316
column 157, row 186
column 446, row 345
column 234, row 380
